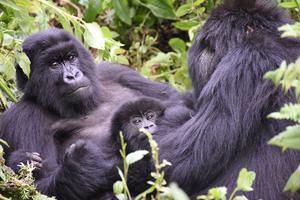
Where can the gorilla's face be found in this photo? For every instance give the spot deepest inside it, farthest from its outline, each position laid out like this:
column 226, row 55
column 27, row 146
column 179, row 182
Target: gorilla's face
column 146, row 120
column 62, row 73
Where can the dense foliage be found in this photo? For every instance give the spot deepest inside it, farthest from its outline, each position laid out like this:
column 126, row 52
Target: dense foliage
column 152, row 36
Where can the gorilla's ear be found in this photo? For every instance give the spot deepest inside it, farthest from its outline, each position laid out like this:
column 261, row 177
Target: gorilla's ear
column 21, row 78
column 235, row 4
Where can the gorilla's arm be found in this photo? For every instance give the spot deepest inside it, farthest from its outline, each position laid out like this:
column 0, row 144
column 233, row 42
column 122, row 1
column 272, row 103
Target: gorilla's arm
column 66, row 181
column 230, row 110
column 131, row 79
column 85, row 169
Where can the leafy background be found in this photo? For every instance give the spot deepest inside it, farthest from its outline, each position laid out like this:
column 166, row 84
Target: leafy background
column 151, row 36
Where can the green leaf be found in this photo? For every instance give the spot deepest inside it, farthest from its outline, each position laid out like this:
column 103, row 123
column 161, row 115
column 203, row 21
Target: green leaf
column 245, row 180
column 42, row 197
column 290, row 138
column 293, row 183
column 240, row 198
column 65, row 22
column 186, row 25
column 118, row 187
column 290, row 4
column 177, row 193
column 2, row 175
column 7, row 90
column 288, row 112
column 93, row 8
column 178, row 45
column 4, row 142
column 24, row 63
column 122, row 10
column 135, row 156
column 218, row 193
column 183, row 10
column 7, row 40
column 93, row 36
column 161, row 8
column 10, row 4
column 290, row 30
column 276, row 75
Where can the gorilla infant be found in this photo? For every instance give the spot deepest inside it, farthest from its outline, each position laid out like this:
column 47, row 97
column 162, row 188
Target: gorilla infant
column 129, row 118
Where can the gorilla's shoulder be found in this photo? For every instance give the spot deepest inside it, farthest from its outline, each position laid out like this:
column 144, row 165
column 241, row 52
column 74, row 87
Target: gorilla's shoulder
column 108, row 68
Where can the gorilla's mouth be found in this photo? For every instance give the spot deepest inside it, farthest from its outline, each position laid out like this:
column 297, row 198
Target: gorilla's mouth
column 78, row 89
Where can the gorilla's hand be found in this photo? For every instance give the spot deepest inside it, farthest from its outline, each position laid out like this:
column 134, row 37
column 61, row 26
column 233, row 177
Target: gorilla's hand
column 35, row 159
column 81, row 152
column 22, row 156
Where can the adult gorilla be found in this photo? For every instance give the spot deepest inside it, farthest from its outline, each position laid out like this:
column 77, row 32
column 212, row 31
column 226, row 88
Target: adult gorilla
column 64, row 82
column 238, row 44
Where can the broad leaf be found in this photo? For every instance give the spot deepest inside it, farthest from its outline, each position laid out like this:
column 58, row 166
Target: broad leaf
column 122, row 10
column 135, row 156
column 161, row 8
column 245, row 180
column 293, row 183
column 290, row 138
column 93, row 36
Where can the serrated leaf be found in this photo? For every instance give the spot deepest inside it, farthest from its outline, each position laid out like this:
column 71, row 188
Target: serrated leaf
column 290, row 138
column 245, row 180
column 290, row 30
column 135, row 156
column 122, row 10
column 276, row 75
column 293, row 183
column 93, row 36
column 288, row 112
column 118, row 187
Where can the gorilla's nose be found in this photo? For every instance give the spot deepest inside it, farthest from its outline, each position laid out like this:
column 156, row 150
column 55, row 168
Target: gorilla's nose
column 72, row 76
column 148, row 126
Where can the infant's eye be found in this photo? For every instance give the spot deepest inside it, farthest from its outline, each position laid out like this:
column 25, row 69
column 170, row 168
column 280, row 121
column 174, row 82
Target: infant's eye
column 136, row 120
column 150, row 115
column 54, row 64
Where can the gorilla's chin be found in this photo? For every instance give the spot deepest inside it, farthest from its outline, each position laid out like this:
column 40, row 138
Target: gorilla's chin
column 81, row 90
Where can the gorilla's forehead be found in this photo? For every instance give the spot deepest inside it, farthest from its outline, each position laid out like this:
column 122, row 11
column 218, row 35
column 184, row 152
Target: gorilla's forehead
column 46, row 39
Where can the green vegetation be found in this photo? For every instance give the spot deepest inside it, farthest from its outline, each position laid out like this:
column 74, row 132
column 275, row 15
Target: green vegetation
column 153, row 37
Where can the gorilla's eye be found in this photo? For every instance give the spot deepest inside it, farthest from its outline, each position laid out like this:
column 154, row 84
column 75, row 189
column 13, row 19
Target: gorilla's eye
column 150, row 115
column 136, row 120
column 54, row 64
column 71, row 57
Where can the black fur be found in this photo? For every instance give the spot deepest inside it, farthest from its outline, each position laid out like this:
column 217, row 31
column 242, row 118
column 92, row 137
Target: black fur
column 235, row 48
column 26, row 125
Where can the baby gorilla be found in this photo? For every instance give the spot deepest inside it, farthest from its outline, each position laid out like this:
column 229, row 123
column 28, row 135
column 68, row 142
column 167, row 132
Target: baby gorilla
column 133, row 116
column 129, row 118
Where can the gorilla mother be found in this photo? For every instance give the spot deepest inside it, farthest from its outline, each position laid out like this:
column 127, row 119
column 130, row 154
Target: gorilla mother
column 238, row 44
column 65, row 83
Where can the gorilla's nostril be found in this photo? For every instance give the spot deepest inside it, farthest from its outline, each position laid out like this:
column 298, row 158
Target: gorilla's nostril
column 70, row 77
column 77, row 74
